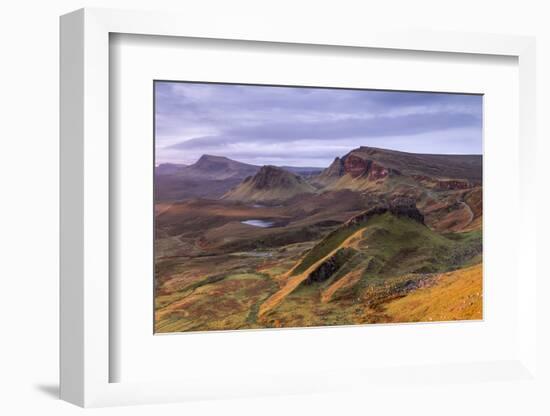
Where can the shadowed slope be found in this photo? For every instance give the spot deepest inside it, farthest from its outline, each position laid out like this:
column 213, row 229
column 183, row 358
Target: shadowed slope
column 270, row 184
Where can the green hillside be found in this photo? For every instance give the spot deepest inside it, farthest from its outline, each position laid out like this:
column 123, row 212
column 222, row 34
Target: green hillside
column 355, row 270
column 393, row 246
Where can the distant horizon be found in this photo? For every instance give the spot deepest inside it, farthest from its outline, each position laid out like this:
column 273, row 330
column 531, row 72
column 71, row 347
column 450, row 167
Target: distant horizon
column 308, row 126
column 306, row 166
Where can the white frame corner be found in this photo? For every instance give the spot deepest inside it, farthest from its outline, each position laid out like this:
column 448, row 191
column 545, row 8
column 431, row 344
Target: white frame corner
column 84, row 155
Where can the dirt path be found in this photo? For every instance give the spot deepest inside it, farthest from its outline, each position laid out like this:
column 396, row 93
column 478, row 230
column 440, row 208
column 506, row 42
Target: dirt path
column 470, row 212
column 295, row 281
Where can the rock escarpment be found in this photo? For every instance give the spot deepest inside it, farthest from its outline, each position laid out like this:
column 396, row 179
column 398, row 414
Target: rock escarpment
column 330, row 266
column 400, row 207
column 363, row 166
column 331, row 174
column 357, row 166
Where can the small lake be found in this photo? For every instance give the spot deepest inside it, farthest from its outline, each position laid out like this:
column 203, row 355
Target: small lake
column 259, row 223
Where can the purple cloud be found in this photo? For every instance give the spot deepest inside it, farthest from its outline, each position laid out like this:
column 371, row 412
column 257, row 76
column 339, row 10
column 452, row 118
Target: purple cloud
column 255, row 123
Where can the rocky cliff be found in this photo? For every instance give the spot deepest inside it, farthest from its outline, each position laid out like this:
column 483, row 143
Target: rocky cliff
column 400, row 207
column 369, row 164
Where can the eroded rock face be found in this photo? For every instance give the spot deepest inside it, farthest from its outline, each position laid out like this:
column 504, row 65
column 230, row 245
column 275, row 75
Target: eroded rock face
column 356, row 166
column 330, row 266
column 336, row 168
column 406, row 207
column 378, row 172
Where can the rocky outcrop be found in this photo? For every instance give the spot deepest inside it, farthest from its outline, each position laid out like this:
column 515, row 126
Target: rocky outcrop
column 400, row 207
column 378, row 172
column 406, row 207
column 331, row 174
column 330, row 266
column 356, row 166
column 336, row 168
column 384, row 163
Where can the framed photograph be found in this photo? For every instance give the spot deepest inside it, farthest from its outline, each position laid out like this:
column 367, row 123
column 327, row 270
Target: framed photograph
column 375, row 216
column 260, row 211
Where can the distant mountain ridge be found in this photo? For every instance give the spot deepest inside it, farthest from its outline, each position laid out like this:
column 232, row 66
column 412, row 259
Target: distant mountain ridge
column 365, row 164
column 215, row 167
column 208, row 163
column 169, row 168
column 364, row 169
column 209, row 177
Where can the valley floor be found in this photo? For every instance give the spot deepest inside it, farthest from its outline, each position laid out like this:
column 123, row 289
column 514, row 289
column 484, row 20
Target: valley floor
column 271, row 287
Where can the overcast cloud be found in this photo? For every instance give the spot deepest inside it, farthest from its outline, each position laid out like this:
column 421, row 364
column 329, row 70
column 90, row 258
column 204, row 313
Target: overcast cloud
column 308, row 126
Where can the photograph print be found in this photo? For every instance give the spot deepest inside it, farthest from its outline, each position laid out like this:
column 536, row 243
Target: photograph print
column 285, row 207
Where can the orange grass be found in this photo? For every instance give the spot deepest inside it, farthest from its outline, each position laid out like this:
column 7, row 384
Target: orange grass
column 457, row 295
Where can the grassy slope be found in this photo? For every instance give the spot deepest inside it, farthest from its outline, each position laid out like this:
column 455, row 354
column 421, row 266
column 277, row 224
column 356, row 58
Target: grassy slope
column 400, row 245
column 389, row 249
column 296, row 279
column 237, row 299
column 457, row 295
column 246, row 192
column 333, row 241
column 392, row 246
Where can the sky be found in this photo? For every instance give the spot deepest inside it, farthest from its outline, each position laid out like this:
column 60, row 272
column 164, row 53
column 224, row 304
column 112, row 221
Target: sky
column 297, row 126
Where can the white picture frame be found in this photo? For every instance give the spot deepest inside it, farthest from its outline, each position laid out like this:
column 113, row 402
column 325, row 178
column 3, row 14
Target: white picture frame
column 85, row 210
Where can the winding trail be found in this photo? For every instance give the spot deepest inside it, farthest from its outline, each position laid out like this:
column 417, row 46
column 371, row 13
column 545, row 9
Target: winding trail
column 470, row 212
